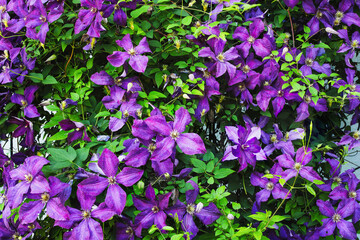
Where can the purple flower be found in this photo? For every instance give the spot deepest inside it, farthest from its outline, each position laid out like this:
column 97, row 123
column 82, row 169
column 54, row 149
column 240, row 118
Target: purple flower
column 152, row 210
column 54, row 206
column 349, row 84
column 25, row 128
column 353, row 141
column 291, row 3
column 215, row 52
column 349, row 45
column 108, row 165
column 80, row 130
column 186, row 212
column 323, row 13
column 336, row 218
column 136, row 60
column 30, row 178
column 250, row 39
column 25, row 101
column 88, row 16
column 189, row 143
column 346, row 15
column 310, row 63
column 270, row 186
column 302, row 158
column 303, row 109
column 126, row 230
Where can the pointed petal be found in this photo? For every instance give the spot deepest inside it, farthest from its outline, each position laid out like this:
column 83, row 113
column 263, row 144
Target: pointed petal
column 129, row 176
column 56, row 210
column 191, row 143
column 117, row 59
column 139, row 63
column 109, row 163
column 182, row 119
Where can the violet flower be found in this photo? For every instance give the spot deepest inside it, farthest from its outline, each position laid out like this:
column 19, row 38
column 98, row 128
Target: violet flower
column 323, row 13
column 336, row 219
column 189, row 143
column 128, row 84
column 54, row 206
column 26, row 100
column 311, row 64
column 291, row 3
column 90, row 16
column 108, row 165
column 303, row 109
column 250, row 39
column 136, row 60
column 302, row 158
column 185, row 212
column 346, row 15
column 30, row 178
column 215, row 52
column 152, row 210
column 79, row 133
column 25, row 127
column 350, row 84
column 353, row 141
column 270, row 186
column 349, row 45
column 126, row 230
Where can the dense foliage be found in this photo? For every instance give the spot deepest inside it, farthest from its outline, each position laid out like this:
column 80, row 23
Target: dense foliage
column 178, row 119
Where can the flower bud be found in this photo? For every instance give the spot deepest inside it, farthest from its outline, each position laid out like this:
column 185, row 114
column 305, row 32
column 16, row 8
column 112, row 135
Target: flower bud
column 140, row 185
column 230, row 216
column 331, row 30
column 199, row 207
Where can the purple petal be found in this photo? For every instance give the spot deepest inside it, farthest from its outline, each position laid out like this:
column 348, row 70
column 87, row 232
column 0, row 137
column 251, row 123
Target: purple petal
column 129, row 176
column 189, row 225
column 125, row 42
column 164, row 149
column 102, row 78
column 95, row 230
column 263, row 195
column 158, row 124
column 29, row 212
column 208, row 214
column 109, row 163
column 93, row 186
column 56, row 210
column 327, row 228
column 116, row 198
column 182, row 119
column 139, row 63
column 30, row 111
column 143, row 47
column 192, row 194
column 346, row 229
column 117, row 59
column 309, row 173
column 325, row 208
column 137, row 157
column 39, row 185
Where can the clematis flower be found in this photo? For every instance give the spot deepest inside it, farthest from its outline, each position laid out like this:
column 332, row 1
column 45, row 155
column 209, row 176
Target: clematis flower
column 346, row 15
column 128, row 84
column 186, row 212
column 127, row 230
column 80, row 130
column 25, row 127
column 353, row 141
column 54, row 206
column 350, row 84
column 302, row 158
column 108, row 165
column 270, row 186
column 136, row 60
column 303, row 109
column 215, row 52
column 349, row 45
column 152, row 210
column 322, row 13
column 310, row 63
column 189, row 143
column 30, row 178
column 25, row 101
column 250, row 39
column 336, row 219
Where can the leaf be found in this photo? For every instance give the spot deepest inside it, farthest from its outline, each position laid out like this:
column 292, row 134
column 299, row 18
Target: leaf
column 81, row 155
column 102, row 114
column 310, row 190
column 288, row 57
column 77, row 74
column 36, row 77
column 154, row 95
column 278, row 218
column 177, row 237
column 198, row 164
column 49, row 80
column 210, row 166
column 60, row 158
column 236, row 206
column 58, row 136
column 318, row 182
column 53, row 108
column 222, row 172
column 186, row 20
column 136, row 13
column 168, row 228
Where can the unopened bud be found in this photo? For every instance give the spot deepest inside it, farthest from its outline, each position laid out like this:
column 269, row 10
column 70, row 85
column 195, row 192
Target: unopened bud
column 230, row 216
column 186, row 96
column 285, row 50
column 199, row 207
column 331, row 30
column 167, row 176
column 140, row 185
column 52, row 57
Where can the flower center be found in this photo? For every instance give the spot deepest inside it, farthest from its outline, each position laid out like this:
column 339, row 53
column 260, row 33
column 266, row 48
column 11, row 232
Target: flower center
column 155, row 209
column 352, row 194
column 273, row 138
column 337, row 180
column 319, row 14
column 116, row 7
column 86, row 214
column 280, row 93
column 174, row 134
column 77, row 129
column 251, row 39
column 152, row 147
column 2, row 8
column 63, row 105
column 220, row 57
column 132, row 52
column 269, row 186
column 336, row 217
column 126, row 113
column 16, row 236
column 42, row 18
column 118, row 81
column 244, row 146
column 266, row 83
column 129, row 231
column 309, row 62
column 190, row 208
column 24, row 103
column 246, row 69
column 93, row 10
column 28, row 177
column 307, row 99
column 297, row 166
column 355, row 44
column 339, row 15
column 45, row 197
column 356, row 135
column 352, row 87
column 206, row 74
column 112, row 180
column 242, row 86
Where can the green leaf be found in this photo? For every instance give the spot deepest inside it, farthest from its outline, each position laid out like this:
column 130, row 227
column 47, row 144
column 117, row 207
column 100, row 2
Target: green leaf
column 210, row 180
column 236, row 206
column 154, row 95
column 136, row 13
column 198, row 164
column 168, row 228
column 58, row 136
column 89, row 63
column 186, row 20
column 102, row 114
column 81, row 155
column 77, row 74
column 222, row 172
column 60, row 158
column 288, row 57
column 278, row 218
column 53, row 108
column 210, row 166
column 318, row 182
column 49, row 80
column 282, row 181
column 310, row 189
column 177, row 237
column 36, row 77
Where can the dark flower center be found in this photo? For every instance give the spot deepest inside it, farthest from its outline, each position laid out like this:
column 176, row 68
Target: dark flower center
column 112, row 180
column 337, row 180
column 297, row 166
column 319, row 14
column 16, row 236
column 246, row 69
column 336, row 217
column 273, row 138
column 42, row 18
column 24, row 103
column 269, row 186
column 118, row 81
column 220, row 57
column 174, row 134
column 352, row 87
column 31, row 226
column 129, row 231
column 307, row 99
column 356, row 135
column 152, row 147
column 28, row 177
column 190, row 208
column 337, row 21
column 206, row 74
column 355, row 44
column 280, row 93
column 339, row 15
column 244, row 146
column 45, row 197
column 155, row 209
column 197, row 24
column 309, row 62
column 352, row 194
column 132, row 52
column 86, row 214
column 251, row 39
column 93, row 10
column 116, row 7
column 242, row 86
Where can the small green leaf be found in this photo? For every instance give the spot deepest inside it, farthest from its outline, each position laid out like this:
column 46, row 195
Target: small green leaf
column 58, row 136
column 222, row 172
column 49, row 80
column 310, row 189
column 136, row 13
column 177, row 237
column 102, row 114
column 168, row 228
column 186, row 20
column 198, row 164
column 288, row 57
